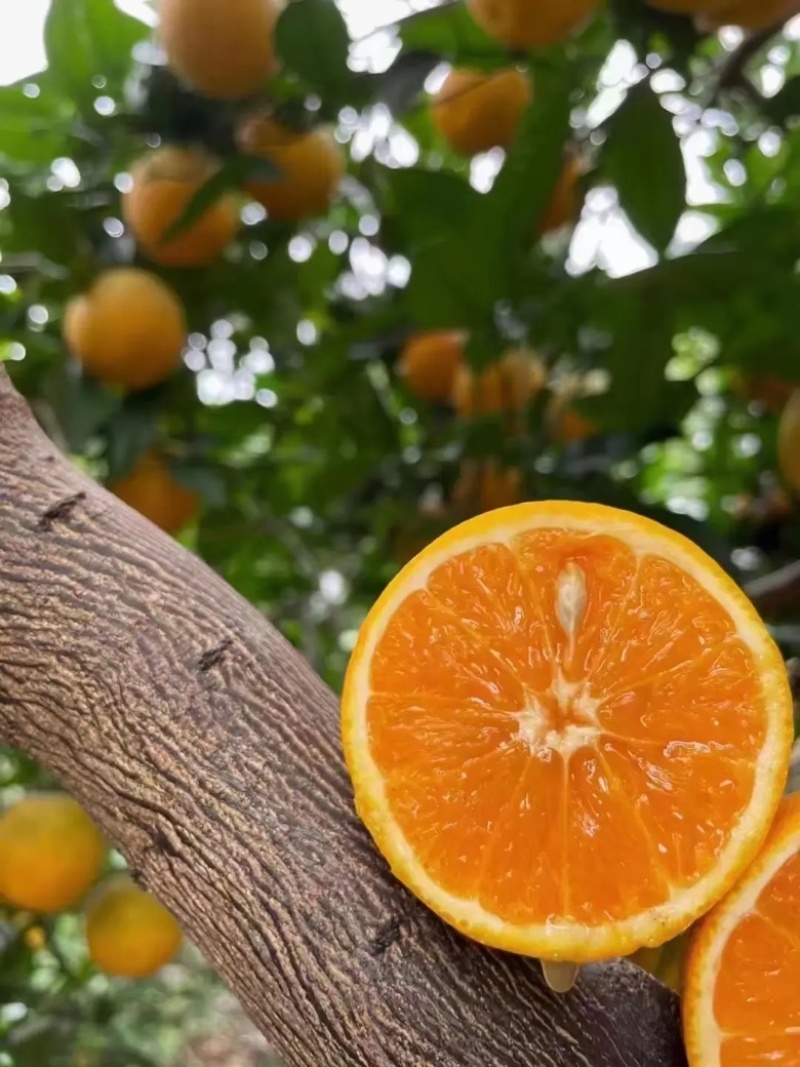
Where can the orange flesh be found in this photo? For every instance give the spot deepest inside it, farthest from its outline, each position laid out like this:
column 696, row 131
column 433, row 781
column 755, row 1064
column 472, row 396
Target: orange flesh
column 756, row 1000
column 552, row 719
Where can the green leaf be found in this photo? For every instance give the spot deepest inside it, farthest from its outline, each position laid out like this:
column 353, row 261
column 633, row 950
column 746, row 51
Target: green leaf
column 205, row 480
column 312, row 41
column 132, row 431
column 427, row 205
column 509, row 215
column 32, row 129
column 401, row 84
column 449, row 287
column 448, row 31
column 643, row 159
column 85, row 39
column 459, row 280
column 81, row 405
column 648, row 29
column 785, row 104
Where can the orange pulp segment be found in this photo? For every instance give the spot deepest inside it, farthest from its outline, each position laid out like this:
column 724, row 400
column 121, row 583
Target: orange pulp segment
column 567, row 730
column 741, row 1005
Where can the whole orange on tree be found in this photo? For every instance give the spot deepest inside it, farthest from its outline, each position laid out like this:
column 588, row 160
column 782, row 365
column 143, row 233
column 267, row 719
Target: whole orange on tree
column 520, row 24
column 309, row 166
column 506, row 386
column 225, row 50
column 128, row 932
column 152, row 490
column 789, row 442
column 476, row 111
column 50, row 853
column 128, row 329
column 164, row 182
column 429, row 363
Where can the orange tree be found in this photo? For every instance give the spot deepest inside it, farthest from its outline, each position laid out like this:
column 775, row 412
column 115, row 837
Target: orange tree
column 311, row 319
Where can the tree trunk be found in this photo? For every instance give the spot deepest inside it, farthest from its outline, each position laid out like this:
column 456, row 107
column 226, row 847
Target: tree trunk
column 209, row 753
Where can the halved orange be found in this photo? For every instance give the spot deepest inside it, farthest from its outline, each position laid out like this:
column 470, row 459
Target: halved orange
column 741, row 1005
column 567, row 729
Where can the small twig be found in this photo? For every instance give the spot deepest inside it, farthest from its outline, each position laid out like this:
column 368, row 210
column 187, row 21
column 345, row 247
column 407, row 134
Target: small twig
column 32, row 263
column 774, row 592
column 733, row 71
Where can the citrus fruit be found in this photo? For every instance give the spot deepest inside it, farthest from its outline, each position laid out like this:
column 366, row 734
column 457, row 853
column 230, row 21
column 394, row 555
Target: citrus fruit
column 751, row 14
column 311, row 165
column 566, row 424
column 128, row 932
column 484, row 485
column 522, row 24
column 537, row 714
column 151, row 490
column 564, row 206
column 50, row 852
column 740, row 1005
column 789, row 442
column 687, row 7
column 128, row 329
column 507, row 385
column 428, row 364
column 163, row 183
column 475, row 111
column 35, row 938
column 223, row 50
column 767, row 390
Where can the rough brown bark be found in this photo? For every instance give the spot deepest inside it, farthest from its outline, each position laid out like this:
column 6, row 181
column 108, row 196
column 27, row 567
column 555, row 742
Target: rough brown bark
column 209, row 752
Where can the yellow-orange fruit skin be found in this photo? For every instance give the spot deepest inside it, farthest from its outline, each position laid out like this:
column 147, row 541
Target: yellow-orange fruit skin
column 312, row 165
column 224, row 49
column 564, row 206
column 565, row 424
column 50, row 853
column 429, row 362
column 687, row 7
column 485, row 485
column 524, row 24
column 163, row 183
column 748, row 14
column 151, row 490
column 476, row 111
column 127, row 330
column 789, row 442
column 128, row 933
column 506, row 386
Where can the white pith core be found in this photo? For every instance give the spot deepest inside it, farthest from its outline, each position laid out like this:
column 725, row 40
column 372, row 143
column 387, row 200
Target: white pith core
column 571, row 723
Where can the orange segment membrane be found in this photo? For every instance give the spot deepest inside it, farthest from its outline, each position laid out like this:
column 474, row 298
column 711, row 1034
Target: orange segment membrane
column 756, row 1001
column 553, row 718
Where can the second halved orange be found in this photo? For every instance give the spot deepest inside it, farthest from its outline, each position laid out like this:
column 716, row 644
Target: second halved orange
column 568, row 730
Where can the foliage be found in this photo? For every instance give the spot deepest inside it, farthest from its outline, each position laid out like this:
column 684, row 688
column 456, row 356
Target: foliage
column 290, row 418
